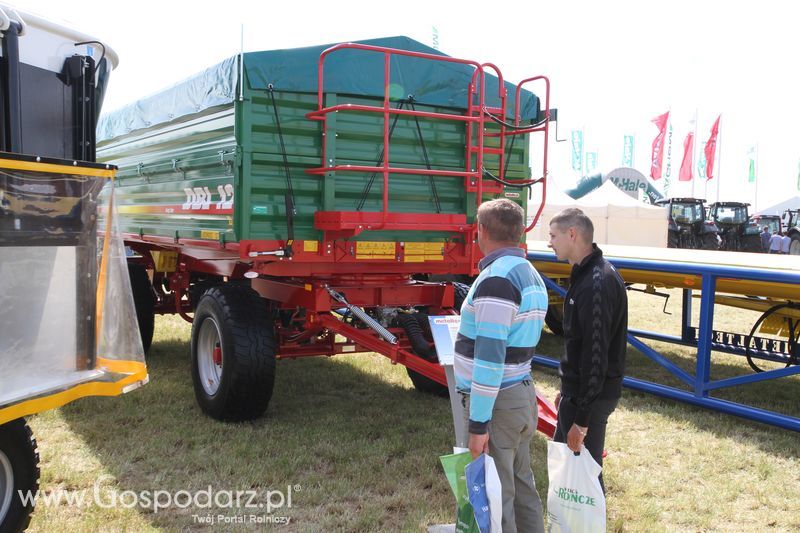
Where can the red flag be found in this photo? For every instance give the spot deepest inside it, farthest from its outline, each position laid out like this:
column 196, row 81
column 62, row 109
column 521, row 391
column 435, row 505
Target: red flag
column 711, row 148
column 657, row 158
column 685, row 173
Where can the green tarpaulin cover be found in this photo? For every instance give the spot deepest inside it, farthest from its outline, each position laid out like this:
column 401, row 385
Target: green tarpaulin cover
column 350, row 72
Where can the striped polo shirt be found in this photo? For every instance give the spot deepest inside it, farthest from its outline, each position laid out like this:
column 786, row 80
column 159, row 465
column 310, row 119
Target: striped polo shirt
column 501, row 322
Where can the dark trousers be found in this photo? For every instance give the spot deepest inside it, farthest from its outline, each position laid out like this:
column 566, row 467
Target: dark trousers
column 595, row 435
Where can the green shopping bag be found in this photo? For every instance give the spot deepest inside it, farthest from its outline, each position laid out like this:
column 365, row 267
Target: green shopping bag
column 454, row 466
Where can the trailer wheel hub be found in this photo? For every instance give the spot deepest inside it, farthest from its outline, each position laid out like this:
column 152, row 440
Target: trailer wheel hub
column 209, row 356
column 217, row 355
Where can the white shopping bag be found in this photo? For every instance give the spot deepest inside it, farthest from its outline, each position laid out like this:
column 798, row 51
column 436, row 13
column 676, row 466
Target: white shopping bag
column 575, row 500
column 495, row 492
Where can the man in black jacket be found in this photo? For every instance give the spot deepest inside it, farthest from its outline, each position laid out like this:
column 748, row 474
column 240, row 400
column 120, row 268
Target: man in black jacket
column 595, row 336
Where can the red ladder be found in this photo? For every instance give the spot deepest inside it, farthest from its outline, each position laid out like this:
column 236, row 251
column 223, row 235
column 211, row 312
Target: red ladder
column 347, row 223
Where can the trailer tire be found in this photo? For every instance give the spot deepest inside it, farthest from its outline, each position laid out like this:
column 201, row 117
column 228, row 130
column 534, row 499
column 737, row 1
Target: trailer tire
column 144, row 302
column 461, row 290
column 419, row 346
column 423, row 383
column 426, row 385
column 19, row 471
column 233, row 319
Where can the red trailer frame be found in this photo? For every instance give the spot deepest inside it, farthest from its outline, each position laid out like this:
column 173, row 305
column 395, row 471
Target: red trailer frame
column 300, row 275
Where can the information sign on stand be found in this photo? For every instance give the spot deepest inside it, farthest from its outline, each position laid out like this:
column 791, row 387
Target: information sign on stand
column 444, row 330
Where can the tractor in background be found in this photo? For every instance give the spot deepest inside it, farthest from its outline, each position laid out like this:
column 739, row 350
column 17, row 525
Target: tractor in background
column 738, row 232
column 688, row 227
column 791, row 222
column 773, row 224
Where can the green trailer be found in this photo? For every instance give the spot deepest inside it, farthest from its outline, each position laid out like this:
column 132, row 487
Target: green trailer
column 281, row 198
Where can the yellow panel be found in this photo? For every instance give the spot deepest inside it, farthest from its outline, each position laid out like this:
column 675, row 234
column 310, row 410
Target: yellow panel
column 165, row 261
column 310, row 246
column 416, row 252
column 138, row 374
column 774, row 325
column 206, row 234
column 424, row 248
column 375, row 250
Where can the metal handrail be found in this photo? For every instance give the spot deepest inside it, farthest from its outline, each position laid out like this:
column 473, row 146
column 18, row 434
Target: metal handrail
column 387, row 111
column 546, row 128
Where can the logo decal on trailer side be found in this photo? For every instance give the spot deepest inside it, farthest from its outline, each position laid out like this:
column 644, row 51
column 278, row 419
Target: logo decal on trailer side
column 200, row 198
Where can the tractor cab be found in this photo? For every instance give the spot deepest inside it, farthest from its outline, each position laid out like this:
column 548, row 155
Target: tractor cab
column 738, row 232
column 773, row 222
column 688, row 227
column 791, row 222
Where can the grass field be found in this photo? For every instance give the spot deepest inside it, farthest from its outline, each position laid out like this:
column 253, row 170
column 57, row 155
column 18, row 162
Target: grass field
column 357, row 448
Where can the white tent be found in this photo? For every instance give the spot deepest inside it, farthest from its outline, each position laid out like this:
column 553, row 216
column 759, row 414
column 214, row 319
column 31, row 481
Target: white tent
column 556, row 200
column 630, row 221
column 617, row 218
column 778, row 209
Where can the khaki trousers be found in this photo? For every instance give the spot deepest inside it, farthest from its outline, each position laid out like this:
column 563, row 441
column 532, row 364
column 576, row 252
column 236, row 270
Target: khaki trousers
column 511, row 431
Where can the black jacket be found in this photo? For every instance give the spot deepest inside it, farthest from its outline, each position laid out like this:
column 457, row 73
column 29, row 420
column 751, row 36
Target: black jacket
column 595, row 335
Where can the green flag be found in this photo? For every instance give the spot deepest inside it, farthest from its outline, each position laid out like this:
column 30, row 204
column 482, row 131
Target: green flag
column 591, row 162
column 701, row 162
column 627, row 151
column 577, row 150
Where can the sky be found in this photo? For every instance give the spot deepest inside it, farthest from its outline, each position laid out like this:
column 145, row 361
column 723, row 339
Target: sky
column 613, row 66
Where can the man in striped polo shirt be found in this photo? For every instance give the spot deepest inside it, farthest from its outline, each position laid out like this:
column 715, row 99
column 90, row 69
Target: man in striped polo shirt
column 501, row 322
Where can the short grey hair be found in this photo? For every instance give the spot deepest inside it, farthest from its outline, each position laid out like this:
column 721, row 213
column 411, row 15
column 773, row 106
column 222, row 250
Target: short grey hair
column 572, row 217
column 503, row 220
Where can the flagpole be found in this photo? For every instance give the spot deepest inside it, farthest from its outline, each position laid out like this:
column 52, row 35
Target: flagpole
column 719, row 159
column 668, row 142
column 704, row 172
column 755, row 183
column 694, row 145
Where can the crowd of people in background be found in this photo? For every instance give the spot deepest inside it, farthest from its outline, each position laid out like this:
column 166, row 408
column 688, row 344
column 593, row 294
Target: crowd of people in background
column 775, row 243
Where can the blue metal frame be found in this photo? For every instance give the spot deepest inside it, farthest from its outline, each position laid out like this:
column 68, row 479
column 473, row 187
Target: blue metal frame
column 700, row 384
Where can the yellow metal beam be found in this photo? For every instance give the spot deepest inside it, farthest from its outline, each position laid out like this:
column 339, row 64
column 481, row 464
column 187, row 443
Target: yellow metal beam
column 779, row 263
column 77, row 170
